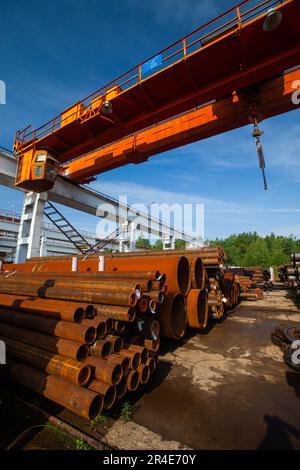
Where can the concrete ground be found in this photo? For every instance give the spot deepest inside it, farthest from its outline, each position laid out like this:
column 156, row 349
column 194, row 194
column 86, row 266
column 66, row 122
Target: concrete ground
column 227, row 388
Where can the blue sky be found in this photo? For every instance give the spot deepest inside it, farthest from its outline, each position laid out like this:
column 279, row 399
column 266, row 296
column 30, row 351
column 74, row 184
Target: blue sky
column 54, row 53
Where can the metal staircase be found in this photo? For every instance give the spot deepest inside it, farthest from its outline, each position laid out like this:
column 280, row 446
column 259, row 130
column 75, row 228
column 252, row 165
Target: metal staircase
column 101, row 243
column 66, row 227
column 70, row 232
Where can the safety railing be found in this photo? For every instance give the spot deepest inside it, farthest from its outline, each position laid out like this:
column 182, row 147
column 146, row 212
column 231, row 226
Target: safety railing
column 232, row 19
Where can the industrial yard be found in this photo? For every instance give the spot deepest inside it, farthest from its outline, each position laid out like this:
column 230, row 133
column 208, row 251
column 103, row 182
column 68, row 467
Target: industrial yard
column 150, row 306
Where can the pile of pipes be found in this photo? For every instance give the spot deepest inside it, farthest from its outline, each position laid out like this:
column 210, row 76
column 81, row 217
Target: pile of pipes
column 91, row 325
column 81, row 341
column 258, row 275
column 247, row 287
column 289, row 274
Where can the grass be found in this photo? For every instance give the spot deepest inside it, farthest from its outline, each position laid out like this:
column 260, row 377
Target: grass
column 126, row 412
column 81, row 444
column 101, row 419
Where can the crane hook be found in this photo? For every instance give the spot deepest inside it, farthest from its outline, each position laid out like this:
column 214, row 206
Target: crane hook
column 257, row 133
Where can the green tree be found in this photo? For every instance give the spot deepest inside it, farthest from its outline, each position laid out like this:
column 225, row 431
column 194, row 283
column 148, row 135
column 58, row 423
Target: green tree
column 250, row 249
column 158, row 245
column 179, row 244
column 143, row 243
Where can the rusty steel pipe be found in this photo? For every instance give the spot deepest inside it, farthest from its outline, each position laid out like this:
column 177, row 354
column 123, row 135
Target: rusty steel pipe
column 173, row 316
column 155, row 356
column 151, row 344
column 197, row 272
column 140, row 349
column 152, row 306
column 121, row 388
column 142, row 305
column 144, row 373
column 107, row 391
column 67, row 369
column 151, row 364
column 99, row 324
column 132, row 380
column 151, row 328
column 90, row 312
column 114, row 276
column 93, row 286
column 122, row 360
column 117, row 342
column 62, row 347
column 108, row 322
column 88, row 404
column 89, row 294
column 66, row 311
column 157, row 285
column 176, row 268
column 119, row 326
column 102, row 348
column 156, row 295
column 116, row 312
column 133, row 356
column 67, row 330
column 197, row 308
column 104, row 370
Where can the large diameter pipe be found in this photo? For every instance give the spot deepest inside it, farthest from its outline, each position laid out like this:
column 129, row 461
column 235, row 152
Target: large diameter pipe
column 176, row 268
column 197, row 308
column 104, row 370
column 81, row 401
column 67, row 369
column 61, row 329
column 197, row 272
column 173, row 316
column 77, row 294
column 67, row 311
column 63, row 347
column 108, row 392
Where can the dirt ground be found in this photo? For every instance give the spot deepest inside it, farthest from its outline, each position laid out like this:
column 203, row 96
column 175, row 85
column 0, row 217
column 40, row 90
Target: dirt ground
column 227, row 388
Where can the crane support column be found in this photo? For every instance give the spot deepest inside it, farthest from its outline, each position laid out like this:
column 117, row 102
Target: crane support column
column 30, row 231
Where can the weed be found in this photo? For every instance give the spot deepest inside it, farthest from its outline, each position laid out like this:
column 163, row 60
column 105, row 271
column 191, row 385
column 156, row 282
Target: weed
column 101, row 419
column 126, row 412
column 81, row 444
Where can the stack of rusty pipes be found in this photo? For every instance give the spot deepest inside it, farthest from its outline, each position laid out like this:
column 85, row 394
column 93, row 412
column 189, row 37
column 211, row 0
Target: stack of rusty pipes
column 242, row 279
column 289, row 274
column 183, row 273
column 81, row 355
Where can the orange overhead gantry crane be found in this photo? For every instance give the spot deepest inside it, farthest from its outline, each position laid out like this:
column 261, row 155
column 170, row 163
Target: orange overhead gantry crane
column 271, row 98
column 236, row 62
